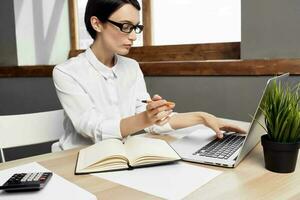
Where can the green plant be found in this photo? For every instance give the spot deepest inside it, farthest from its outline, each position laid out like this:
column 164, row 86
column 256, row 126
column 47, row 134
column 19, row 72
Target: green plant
column 280, row 107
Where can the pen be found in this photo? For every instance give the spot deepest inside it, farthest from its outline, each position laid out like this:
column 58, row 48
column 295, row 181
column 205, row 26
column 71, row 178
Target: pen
column 169, row 103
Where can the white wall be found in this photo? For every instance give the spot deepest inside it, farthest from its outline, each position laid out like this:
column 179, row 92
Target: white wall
column 42, row 31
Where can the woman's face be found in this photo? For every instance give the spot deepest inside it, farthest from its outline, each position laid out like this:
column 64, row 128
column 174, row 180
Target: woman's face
column 112, row 37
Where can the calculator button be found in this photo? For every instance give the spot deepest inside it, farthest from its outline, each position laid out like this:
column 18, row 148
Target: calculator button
column 42, row 179
column 37, row 177
column 34, row 177
column 31, row 177
column 25, row 177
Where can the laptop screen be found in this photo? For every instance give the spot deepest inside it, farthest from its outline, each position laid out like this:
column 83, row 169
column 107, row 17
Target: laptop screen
column 255, row 131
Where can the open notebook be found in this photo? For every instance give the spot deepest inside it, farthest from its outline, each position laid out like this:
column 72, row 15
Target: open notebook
column 113, row 154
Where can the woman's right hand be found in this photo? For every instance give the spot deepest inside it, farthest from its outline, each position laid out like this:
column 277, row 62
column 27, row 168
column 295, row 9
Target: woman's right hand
column 158, row 111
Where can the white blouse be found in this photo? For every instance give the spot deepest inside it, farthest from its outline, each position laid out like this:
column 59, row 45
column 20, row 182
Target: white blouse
column 95, row 98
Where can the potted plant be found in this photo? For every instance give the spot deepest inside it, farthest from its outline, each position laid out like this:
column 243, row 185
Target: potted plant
column 282, row 125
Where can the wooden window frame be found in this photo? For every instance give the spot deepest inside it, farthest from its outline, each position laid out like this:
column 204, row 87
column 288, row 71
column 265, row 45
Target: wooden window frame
column 221, row 59
column 192, row 60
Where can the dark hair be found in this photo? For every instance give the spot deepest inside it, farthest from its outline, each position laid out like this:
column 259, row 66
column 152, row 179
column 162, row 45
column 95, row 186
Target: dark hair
column 103, row 9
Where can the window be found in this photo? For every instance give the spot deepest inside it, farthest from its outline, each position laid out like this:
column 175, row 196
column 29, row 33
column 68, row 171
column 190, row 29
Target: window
column 184, row 22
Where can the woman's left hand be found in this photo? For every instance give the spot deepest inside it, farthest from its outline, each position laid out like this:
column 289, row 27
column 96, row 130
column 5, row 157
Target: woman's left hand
column 218, row 125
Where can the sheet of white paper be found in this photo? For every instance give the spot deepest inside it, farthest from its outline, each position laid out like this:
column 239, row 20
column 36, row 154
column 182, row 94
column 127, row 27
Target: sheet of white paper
column 56, row 188
column 174, row 181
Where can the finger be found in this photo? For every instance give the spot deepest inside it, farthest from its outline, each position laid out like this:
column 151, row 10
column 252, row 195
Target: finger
column 162, row 115
column 161, row 109
column 219, row 134
column 156, row 97
column 170, row 104
column 216, row 129
column 163, row 121
column 154, row 104
column 156, row 116
column 232, row 128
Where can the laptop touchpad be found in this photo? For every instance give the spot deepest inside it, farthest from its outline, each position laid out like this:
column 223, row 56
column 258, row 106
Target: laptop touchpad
column 194, row 140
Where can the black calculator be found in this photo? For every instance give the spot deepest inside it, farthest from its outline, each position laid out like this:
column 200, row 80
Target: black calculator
column 26, row 181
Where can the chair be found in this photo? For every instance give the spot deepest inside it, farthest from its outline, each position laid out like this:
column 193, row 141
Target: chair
column 29, row 129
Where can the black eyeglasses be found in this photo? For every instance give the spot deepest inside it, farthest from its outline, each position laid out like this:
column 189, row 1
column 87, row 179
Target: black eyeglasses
column 127, row 27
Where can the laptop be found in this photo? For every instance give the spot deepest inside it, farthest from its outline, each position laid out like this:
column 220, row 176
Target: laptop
column 202, row 146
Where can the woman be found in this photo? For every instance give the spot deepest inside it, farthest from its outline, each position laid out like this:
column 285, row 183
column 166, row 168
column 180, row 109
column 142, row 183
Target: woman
column 101, row 91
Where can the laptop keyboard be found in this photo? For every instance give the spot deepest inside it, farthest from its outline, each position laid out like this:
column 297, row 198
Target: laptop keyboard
column 221, row 148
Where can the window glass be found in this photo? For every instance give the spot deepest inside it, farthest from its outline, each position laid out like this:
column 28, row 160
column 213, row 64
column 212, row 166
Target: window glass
column 84, row 38
column 196, row 21
column 184, row 22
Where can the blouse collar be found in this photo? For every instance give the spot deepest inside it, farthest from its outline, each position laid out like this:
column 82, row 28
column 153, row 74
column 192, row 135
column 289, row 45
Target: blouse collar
column 105, row 71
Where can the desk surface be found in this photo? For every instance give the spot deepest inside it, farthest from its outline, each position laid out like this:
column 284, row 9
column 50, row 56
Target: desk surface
column 250, row 180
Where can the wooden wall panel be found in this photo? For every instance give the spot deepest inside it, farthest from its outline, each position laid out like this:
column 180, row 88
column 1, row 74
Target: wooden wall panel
column 222, row 68
column 213, row 51
column 185, row 68
column 27, row 71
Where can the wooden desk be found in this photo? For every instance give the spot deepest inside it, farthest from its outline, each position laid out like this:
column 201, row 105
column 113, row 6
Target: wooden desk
column 250, row 180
